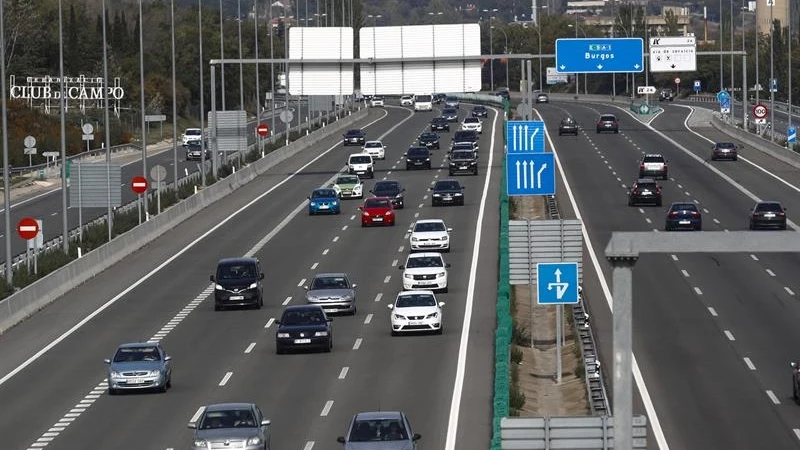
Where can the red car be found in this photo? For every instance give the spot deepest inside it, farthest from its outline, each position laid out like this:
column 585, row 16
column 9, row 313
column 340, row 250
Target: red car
column 377, row 211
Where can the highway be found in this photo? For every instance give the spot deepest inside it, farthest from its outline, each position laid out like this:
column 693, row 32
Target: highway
column 781, row 117
column 713, row 334
column 161, row 292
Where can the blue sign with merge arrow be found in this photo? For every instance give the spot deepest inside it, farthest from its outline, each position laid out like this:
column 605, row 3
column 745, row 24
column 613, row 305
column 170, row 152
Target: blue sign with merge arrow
column 525, row 136
column 530, row 174
column 557, row 283
column 599, row 55
column 791, row 134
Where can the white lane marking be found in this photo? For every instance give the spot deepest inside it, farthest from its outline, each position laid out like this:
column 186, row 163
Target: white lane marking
column 705, row 210
column 357, row 344
column 458, row 385
column 770, row 272
column 796, row 432
column 729, row 335
column 716, row 221
column 269, row 322
column 788, row 291
column 698, row 291
column 388, row 277
column 619, row 179
column 325, row 252
column 314, row 266
column 250, row 347
column 641, row 210
column 335, row 238
column 301, row 283
column 749, row 363
column 674, row 257
column 343, row 373
column 772, row 397
column 327, row 408
column 368, row 319
column 309, row 445
column 713, row 311
column 51, row 215
column 225, row 379
column 394, row 263
column 685, row 273
column 378, row 296
column 353, row 217
column 647, row 219
column 754, row 257
column 345, row 227
column 416, row 214
column 400, row 249
column 696, row 201
column 197, row 414
column 687, row 193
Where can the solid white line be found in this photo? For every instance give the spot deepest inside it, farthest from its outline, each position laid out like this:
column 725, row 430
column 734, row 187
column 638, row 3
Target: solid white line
column 755, row 258
column 713, row 311
column 796, row 432
column 771, row 273
column 655, row 424
column 772, row 397
column 226, row 378
column 250, row 347
column 286, row 302
column 685, row 273
column 388, row 277
column 314, row 266
column 749, row 363
column 269, row 322
column 674, row 257
column 788, row 291
column 357, row 344
column 309, row 445
column 698, row 291
column 327, row 408
column 458, row 385
column 343, row 373
column 378, row 296
column 368, row 319
column 302, row 282
column 729, row 335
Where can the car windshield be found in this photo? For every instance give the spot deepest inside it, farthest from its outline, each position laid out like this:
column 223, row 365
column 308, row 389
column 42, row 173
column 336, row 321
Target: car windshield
column 302, row 317
column 653, row 159
column 452, row 99
column 769, row 207
column 423, row 98
column 479, row 108
column 360, row 160
column 462, row 155
column 133, row 354
column 726, row 145
column 412, row 300
column 236, row 271
column 568, row 121
column 377, row 98
column 608, row 119
column 648, row 186
column 426, row 136
column 429, row 226
column 447, row 185
column 232, row 418
column 424, row 261
column 378, row 430
column 347, row 180
column 377, row 203
column 353, row 132
column 329, row 283
column 373, row 145
column 438, row 120
column 323, row 193
column 471, row 120
column 684, row 207
column 190, row 132
column 414, row 151
column 448, row 111
column 386, row 186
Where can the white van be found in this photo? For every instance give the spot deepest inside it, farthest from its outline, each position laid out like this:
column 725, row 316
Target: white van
column 360, row 164
column 423, row 102
column 192, row 135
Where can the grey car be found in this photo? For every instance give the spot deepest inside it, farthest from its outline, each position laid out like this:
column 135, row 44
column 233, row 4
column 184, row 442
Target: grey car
column 383, row 430
column 231, row 425
column 333, row 292
column 137, row 366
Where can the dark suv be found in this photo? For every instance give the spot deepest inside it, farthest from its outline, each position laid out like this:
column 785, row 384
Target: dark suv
column 391, row 189
column 440, row 124
column 607, row 122
column 418, row 158
column 568, row 126
column 354, row 137
column 238, row 283
column 768, row 215
column 654, row 165
column 463, row 161
column 430, row 140
column 447, row 192
column 644, row 190
column 666, row 95
column 480, row 111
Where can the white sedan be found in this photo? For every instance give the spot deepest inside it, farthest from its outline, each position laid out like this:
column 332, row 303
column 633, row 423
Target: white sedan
column 425, row 271
column 407, row 100
column 429, row 234
column 376, row 149
column 414, row 311
column 472, row 123
column 376, row 101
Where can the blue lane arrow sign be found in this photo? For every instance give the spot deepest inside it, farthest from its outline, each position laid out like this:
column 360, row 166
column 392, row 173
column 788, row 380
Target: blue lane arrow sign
column 723, row 97
column 557, row 283
column 525, row 136
column 791, row 134
column 599, row 55
column 530, row 174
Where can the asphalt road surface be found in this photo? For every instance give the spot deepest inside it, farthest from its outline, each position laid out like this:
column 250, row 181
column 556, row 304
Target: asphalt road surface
column 230, row 355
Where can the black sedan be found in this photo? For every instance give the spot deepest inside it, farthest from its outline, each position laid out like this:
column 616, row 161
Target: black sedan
column 430, row 140
column 304, row 327
column 354, row 137
column 451, row 114
column 768, row 215
column 644, row 190
column 480, row 111
column 440, row 124
column 391, row 189
column 568, row 125
column 447, row 192
column 683, row 216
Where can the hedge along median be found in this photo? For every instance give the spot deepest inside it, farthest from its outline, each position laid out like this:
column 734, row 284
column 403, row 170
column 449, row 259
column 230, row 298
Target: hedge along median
column 47, row 289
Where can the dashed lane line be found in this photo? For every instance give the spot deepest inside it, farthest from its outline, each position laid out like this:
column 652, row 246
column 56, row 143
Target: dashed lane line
column 729, row 335
column 326, row 409
column 269, row 322
column 225, row 379
column 772, row 397
column 749, row 363
column 698, row 291
column 378, row 296
column 343, row 372
column 286, row 302
column 357, row 344
column 713, row 311
column 250, row 348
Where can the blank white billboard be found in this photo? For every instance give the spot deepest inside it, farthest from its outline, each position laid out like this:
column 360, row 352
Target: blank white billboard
column 320, row 43
column 420, row 41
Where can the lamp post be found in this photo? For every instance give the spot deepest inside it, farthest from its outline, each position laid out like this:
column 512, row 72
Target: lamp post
column 771, row 74
column 505, row 51
column 491, row 48
column 174, row 100
column 62, row 113
column 6, row 174
column 271, row 30
column 222, row 52
column 241, row 71
column 258, row 84
column 539, row 37
column 202, row 103
column 721, row 71
column 141, row 103
column 107, row 125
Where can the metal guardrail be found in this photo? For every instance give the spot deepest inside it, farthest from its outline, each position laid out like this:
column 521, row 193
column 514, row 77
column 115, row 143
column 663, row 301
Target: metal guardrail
column 191, row 178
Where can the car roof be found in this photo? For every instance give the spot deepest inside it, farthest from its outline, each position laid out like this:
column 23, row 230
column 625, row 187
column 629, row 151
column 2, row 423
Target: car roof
column 389, row 181
column 768, row 202
column 417, row 147
column 237, row 260
column 676, row 204
column 471, row 119
column 377, row 198
column 653, row 155
column 645, row 180
column 138, row 344
column 429, row 221
column 358, row 154
column 377, row 415
column 330, row 274
column 302, row 308
column 229, row 406
column 372, row 142
column 424, row 255
column 448, row 180
column 478, row 107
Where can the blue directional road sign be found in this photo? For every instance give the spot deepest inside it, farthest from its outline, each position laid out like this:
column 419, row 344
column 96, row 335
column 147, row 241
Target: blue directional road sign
column 697, row 86
column 773, row 85
column 599, row 55
column 557, row 283
column 724, row 99
column 525, row 136
column 791, row 134
column 531, row 174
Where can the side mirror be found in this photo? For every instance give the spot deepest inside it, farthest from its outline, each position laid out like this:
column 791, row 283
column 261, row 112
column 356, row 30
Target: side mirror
column 449, row 230
column 401, row 267
column 361, row 208
column 329, row 320
column 441, row 304
column 370, row 191
column 793, row 364
column 447, row 265
column 107, row 361
column 192, row 425
column 261, row 277
column 355, row 285
column 277, row 322
column 390, row 306
column 308, row 198
column 168, row 358
column 463, row 187
column 430, row 188
column 265, row 422
column 340, row 439
column 416, row 437
column 211, row 278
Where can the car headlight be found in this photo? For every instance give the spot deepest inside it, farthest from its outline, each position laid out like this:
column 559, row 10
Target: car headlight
column 427, row 159
column 388, row 213
column 252, row 286
column 432, row 315
column 398, row 317
column 444, row 238
column 357, row 189
column 441, row 274
column 199, row 443
column 408, row 276
column 347, row 298
column 311, row 298
column 437, row 195
column 414, row 239
column 255, row 440
column 398, row 196
column 283, row 335
column 458, row 194
column 321, row 334
column 115, row 374
column 313, row 204
column 155, row 373
column 333, row 203
column 218, row 287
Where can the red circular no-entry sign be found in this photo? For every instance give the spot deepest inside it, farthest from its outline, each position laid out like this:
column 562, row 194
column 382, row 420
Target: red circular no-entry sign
column 28, row 228
column 139, row 184
column 262, row 129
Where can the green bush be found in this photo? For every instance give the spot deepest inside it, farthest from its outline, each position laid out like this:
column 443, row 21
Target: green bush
column 520, row 334
column 516, row 355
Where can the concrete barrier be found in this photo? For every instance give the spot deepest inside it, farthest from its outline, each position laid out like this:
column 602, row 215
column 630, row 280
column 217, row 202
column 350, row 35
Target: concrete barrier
column 44, row 291
column 774, row 150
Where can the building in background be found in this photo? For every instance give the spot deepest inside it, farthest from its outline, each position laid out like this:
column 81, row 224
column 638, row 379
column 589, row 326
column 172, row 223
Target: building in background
column 780, row 12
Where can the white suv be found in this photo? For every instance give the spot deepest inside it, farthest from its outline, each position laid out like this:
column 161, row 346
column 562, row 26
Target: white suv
column 472, row 123
column 416, row 311
column 425, row 271
column 192, row 135
column 376, row 149
column 376, row 101
column 360, row 164
column 423, row 103
column 429, row 234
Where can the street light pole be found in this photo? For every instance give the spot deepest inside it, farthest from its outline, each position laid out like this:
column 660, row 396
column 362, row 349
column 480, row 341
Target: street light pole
column 733, row 71
column 141, row 103
column 62, row 113
column 721, row 71
column 258, row 87
column 202, row 102
column 789, row 25
column 107, row 126
column 6, row 174
column 174, row 102
column 771, row 75
column 505, row 51
column 241, row 72
column 222, row 51
column 271, row 30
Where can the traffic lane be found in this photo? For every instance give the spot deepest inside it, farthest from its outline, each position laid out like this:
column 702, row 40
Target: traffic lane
column 20, row 342
column 781, row 117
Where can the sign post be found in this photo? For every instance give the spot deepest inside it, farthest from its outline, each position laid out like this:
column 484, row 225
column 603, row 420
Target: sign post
column 28, row 229
column 791, row 136
column 139, row 186
column 677, row 86
column 557, row 284
column 88, row 134
column 673, row 54
column 724, row 99
column 158, row 174
column 697, row 86
column 263, row 131
column 30, row 148
column 760, row 114
column 599, row 55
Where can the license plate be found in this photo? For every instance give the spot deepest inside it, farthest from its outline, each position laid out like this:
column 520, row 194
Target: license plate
column 236, row 297
column 645, row 192
column 302, row 341
column 769, row 215
column 464, row 167
column 447, row 199
column 377, row 219
column 684, row 222
column 135, row 380
column 415, row 322
column 323, row 206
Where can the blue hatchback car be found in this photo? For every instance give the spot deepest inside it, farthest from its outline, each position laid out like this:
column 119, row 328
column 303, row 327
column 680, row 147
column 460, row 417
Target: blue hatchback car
column 324, row 201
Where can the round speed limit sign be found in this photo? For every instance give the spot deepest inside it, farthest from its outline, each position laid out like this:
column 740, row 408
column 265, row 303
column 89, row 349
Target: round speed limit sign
column 760, row 111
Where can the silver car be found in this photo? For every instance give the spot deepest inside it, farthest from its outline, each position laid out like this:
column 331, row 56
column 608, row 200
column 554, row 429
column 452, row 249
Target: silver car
column 231, row 425
column 383, row 430
column 333, row 292
column 140, row 365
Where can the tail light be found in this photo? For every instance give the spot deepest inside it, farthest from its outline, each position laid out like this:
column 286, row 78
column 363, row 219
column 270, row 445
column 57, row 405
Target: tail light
column 641, row 166
column 695, row 214
column 635, row 191
column 781, row 213
column 673, row 215
column 658, row 190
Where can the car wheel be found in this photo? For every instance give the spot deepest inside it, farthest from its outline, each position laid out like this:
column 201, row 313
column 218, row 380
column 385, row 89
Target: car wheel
column 461, row 203
column 434, row 204
column 408, row 167
column 310, row 213
column 475, row 173
column 450, row 173
column 394, row 333
column 735, row 158
column 658, row 203
column 279, row 350
column 666, row 176
column 794, row 391
column 698, row 228
column 752, row 227
column 329, row 347
column 169, row 382
column 162, row 388
column 112, row 391
column 363, row 225
column 446, row 250
column 616, row 131
column 217, row 307
column 630, row 203
column 338, row 211
column 440, row 330
column 559, row 133
column 598, row 131
column 667, row 228
column 444, row 290
column 783, row 227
